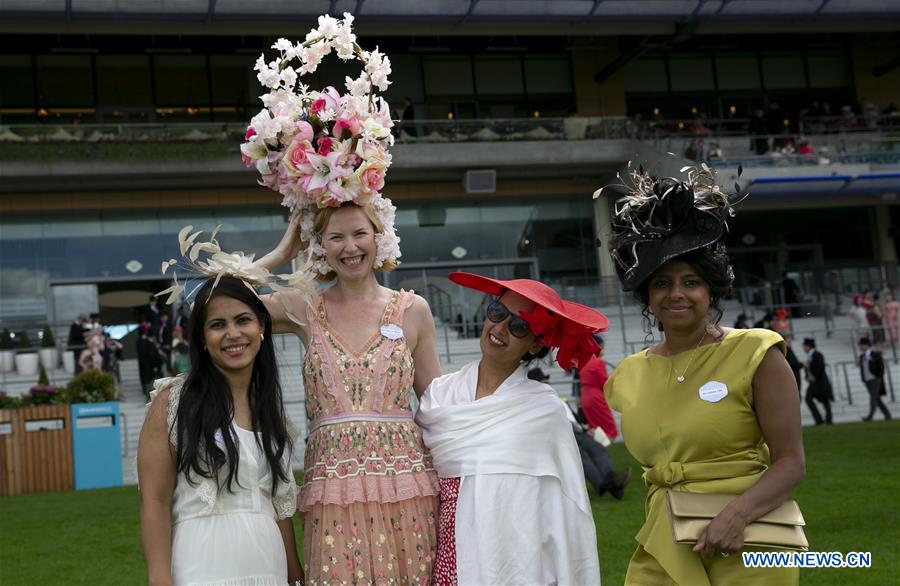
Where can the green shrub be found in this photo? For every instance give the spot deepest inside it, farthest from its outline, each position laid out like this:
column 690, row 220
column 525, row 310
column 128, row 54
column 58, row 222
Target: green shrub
column 6, row 341
column 43, row 379
column 24, row 341
column 7, row 402
column 47, row 340
column 91, row 386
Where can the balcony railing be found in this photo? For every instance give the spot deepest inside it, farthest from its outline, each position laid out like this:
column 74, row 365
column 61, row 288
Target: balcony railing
column 434, row 131
column 874, row 141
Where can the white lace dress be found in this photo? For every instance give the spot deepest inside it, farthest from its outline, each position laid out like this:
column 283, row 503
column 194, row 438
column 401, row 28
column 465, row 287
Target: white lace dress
column 225, row 538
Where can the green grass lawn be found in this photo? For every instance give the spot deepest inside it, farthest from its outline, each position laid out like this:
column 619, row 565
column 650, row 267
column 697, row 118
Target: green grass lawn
column 849, row 499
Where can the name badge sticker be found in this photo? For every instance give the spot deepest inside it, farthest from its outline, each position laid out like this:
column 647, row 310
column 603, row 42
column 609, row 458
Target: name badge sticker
column 392, row 331
column 713, row 392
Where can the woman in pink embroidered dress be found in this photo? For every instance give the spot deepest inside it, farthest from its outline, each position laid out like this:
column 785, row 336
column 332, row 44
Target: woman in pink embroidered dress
column 370, row 493
column 891, row 311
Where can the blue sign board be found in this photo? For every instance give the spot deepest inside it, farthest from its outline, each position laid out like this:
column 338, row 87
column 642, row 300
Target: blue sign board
column 96, row 445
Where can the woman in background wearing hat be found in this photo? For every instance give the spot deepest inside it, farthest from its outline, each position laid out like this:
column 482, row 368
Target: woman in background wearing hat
column 514, row 509
column 699, row 408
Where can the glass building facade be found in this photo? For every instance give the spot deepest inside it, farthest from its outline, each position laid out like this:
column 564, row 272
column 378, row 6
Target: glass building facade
column 39, row 251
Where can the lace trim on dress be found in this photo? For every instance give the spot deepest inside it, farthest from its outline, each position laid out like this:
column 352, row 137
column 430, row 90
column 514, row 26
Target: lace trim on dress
column 384, row 489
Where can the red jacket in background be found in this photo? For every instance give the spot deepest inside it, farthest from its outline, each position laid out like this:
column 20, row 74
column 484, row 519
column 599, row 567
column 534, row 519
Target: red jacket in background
column 593, row 376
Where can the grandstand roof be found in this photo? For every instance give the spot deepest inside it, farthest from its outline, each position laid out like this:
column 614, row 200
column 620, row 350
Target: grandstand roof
column 450, row 11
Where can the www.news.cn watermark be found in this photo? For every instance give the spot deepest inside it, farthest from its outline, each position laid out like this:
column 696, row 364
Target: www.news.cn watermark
column 807, row 559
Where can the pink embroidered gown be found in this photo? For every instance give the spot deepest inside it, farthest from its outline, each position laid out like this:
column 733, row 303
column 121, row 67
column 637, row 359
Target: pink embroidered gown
column 369, row 496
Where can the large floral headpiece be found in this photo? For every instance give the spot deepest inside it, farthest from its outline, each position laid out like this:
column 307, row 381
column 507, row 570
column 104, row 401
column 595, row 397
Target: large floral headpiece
column 322, row 148
column 660, row 218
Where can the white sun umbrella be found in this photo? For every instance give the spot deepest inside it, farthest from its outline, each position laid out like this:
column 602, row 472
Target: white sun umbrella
column 7, row 135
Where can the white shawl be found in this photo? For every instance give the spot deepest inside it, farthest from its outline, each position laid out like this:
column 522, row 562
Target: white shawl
column 523, row 514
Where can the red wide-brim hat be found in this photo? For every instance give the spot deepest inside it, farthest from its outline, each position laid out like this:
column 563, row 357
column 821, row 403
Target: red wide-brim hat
column 555, row 322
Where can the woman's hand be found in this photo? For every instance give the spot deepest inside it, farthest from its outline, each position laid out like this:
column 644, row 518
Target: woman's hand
column 724, row 534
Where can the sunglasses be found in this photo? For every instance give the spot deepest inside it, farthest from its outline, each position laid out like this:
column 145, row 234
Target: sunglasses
column 497, row 312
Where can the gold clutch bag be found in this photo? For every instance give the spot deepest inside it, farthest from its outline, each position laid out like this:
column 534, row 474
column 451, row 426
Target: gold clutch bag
column 690, row 513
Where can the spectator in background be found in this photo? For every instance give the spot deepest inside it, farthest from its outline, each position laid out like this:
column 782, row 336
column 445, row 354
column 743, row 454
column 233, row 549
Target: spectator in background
column 741, row 322
column 75, row 343
column 874, row 318
column 92, row 357
column 891, row 315
column 792, row 360
column 759, row 130
column 781, row 322
column 805, row 149
column 857, row 315
column 775, row 125
column 598, row 468
column 181, row 358
column 164, row 338
column 593, row 377
column 694, row 151
column 112, row 354
column 697, row 126
column 149, row 360
column 94, row 323
column 153, row 314
column 848, row 119
column 181, row 319
column 870, row 115
column 764, row 322
column 792, row 294
column 408, row 117
column 715, row 152
column 871, row 367
column 819, row 386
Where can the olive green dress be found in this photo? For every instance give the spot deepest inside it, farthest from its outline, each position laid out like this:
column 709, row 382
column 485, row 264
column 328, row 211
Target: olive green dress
column 700, row 435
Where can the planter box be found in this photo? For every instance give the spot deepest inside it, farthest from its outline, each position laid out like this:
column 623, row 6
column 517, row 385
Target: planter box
column 7, row 360
column 49, row 358
column 36, row 450
column 10, row 454
column 68, row 362
column 27, row 364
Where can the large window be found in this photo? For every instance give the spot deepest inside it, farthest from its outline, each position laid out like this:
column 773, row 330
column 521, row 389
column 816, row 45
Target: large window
column 65, row 80
column 731, row 83
column 38, row 248
column 124, row 80
column 17, row 81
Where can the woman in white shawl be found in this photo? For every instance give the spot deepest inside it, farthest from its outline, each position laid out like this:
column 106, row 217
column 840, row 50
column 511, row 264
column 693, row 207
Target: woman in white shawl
column 514, row 508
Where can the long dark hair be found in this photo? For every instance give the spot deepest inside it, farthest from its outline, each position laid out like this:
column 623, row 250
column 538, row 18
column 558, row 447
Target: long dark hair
column 206, row 408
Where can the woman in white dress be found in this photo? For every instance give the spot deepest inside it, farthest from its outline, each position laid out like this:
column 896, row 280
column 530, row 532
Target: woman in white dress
column 214, row 458
column 514, row 508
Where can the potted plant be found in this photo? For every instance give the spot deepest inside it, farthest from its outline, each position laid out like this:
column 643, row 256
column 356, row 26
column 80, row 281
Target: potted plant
column 27, row 358
column 43, row 393
column 49, row 353
column 7, row 351
column 91, row 386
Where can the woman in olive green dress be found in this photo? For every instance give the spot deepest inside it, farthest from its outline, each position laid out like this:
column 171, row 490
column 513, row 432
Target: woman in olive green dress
column 709, row 409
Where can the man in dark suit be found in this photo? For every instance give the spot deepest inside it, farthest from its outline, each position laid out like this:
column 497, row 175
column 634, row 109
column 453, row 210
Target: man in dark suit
column 150, row 361
column 871, row 367
column 793, row 361
column 164, row 338
column 819, row 388
column 76, row 342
